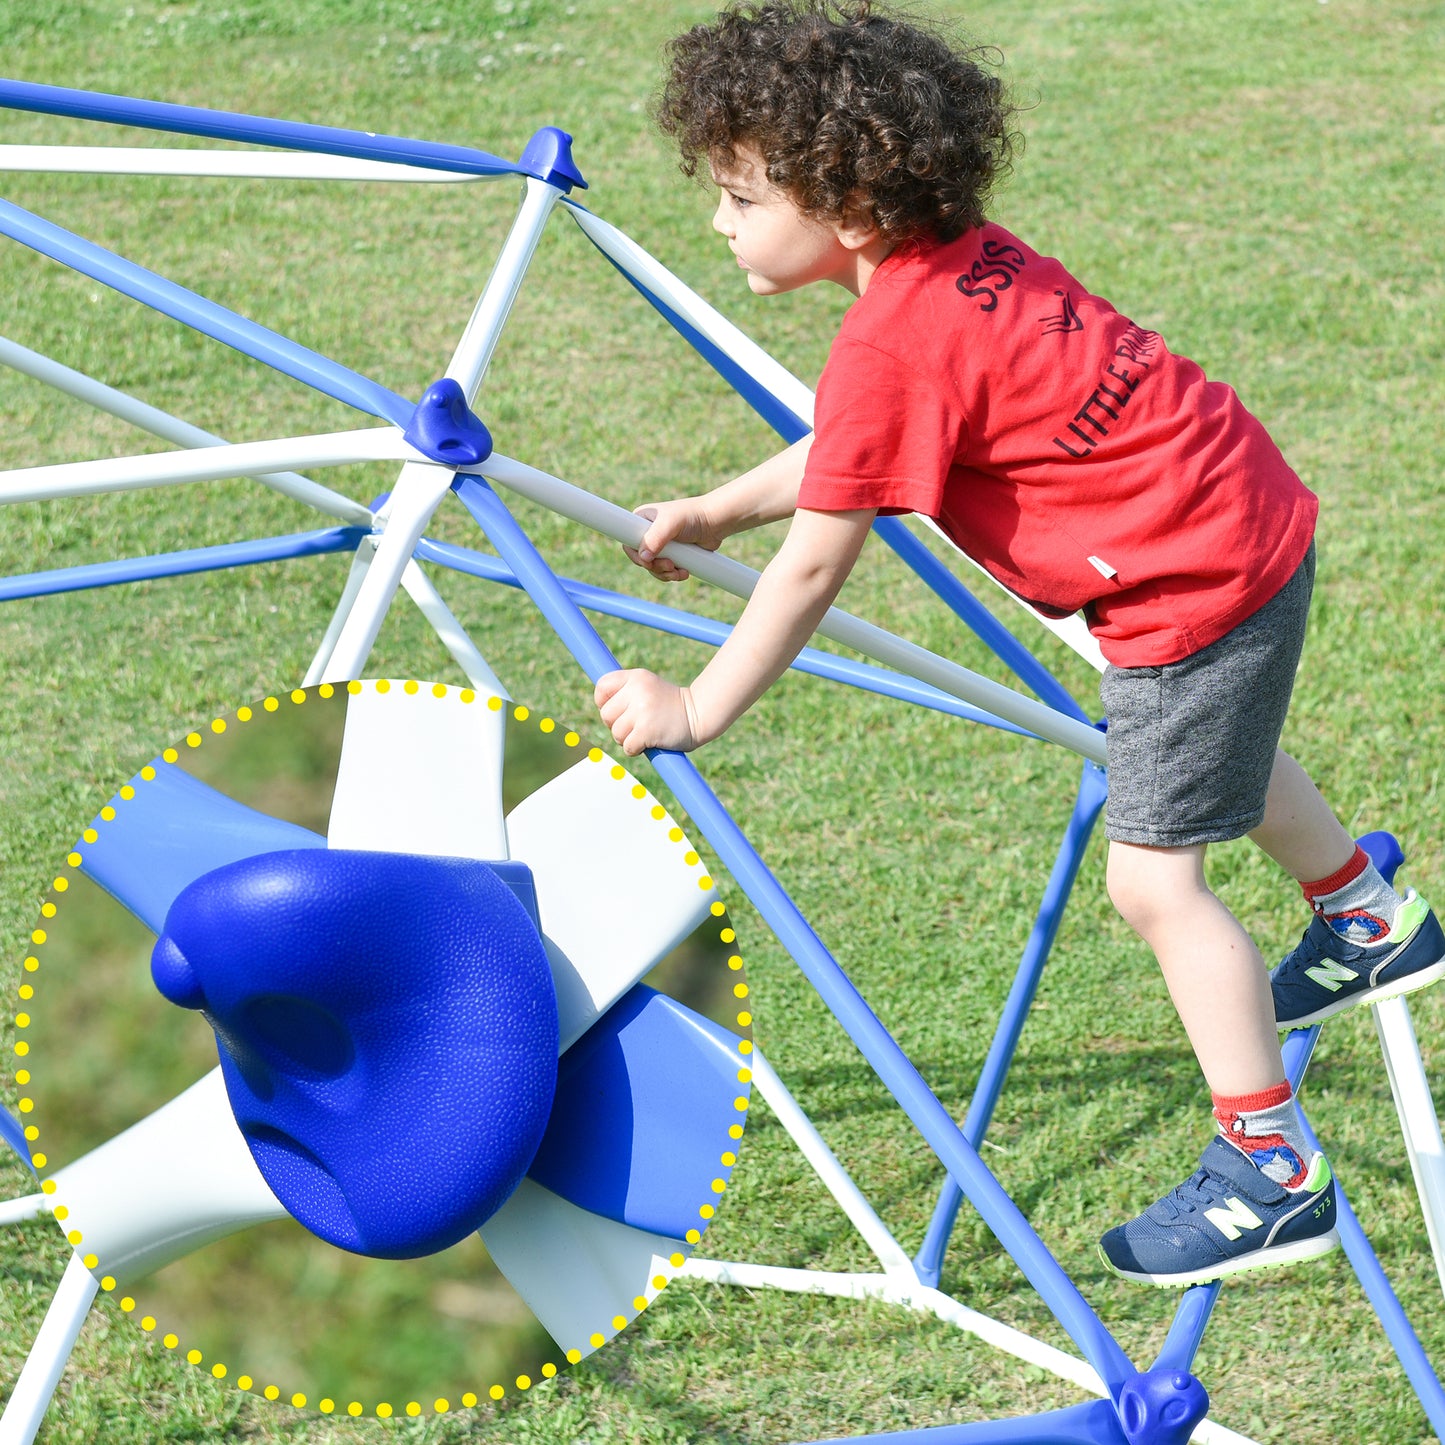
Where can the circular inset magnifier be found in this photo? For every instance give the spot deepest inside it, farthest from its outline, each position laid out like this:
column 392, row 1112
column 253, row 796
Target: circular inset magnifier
column 383, row 1048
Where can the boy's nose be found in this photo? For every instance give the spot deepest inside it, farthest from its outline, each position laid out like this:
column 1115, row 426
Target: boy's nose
column 721, row 220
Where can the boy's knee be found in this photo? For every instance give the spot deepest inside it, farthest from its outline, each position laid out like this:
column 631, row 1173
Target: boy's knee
column 1129, row 892
column 1148, row 885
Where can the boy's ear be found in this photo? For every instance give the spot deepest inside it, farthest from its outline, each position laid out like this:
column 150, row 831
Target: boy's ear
column 857, row 228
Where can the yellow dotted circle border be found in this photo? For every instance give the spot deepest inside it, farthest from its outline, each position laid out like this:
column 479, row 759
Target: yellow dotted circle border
column 33, row 964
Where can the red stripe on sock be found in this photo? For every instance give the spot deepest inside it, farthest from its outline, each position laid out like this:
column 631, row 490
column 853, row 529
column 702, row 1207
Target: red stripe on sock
column 1227, row 1106
column 1337, row 880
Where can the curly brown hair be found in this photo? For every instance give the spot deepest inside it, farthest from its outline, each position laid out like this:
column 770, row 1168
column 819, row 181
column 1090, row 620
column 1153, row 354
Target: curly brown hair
column 850, row 107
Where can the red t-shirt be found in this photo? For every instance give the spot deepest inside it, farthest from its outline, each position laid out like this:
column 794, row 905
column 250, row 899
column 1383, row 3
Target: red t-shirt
column 1059, row 445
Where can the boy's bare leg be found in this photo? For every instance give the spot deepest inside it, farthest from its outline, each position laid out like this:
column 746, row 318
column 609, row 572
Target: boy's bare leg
column 1300, row 830
column 1214, row 972
column 1262, row 1195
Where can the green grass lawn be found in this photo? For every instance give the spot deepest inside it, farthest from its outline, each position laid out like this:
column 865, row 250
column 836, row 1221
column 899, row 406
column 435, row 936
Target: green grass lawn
column 1260, row 183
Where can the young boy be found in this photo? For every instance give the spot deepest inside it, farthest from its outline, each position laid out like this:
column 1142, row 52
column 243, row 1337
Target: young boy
column 1086, row 467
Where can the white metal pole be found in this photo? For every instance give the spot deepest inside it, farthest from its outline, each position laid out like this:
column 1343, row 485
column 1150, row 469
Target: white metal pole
column 1419, row 1123
column 26, row 1207
column 264, row 165
column 162, row 424
column 58, row 1333
column 838, row 1182
column 479, row 340
column 420, row 488
column 923, row 1300
column 360, row 561
column 417, row 493
column 202, row 464
column 453, row 635
column 632, row 260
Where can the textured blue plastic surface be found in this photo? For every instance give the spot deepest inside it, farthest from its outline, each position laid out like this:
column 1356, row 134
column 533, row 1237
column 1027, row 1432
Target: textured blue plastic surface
column 518, row 877
column 172, row 831
column 644, row 1104
column 1385, row 853
column 444, row 428
column 548, row 156
column 388, row 1035
column 1162, row 1407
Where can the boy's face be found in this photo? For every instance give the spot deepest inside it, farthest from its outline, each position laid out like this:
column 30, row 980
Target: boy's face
column 778, row 246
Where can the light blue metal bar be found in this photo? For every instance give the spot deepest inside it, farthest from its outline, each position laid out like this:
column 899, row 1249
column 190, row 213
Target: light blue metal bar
column 12, row 1132
column 878, row 1047
column 984, row 625
column 181, row 564
column 249, row 129
column 672, row 620
column 286, row 356
column 1093, row 790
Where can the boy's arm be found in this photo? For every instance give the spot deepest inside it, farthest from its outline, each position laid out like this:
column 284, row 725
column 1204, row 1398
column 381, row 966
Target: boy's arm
column 767, row 493
column 796, row 588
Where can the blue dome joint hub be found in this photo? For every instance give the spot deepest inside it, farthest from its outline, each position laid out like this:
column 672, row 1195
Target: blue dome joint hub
column 548, row 157
column 387, row 1031
column 444, row 428
column 1161, row 1407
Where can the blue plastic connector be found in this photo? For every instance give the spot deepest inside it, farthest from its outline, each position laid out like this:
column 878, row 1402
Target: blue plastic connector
column 1162, row 1407
column 548, row 157
column 444, row 427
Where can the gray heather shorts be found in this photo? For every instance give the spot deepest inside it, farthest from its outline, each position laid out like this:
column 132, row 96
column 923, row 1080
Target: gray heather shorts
column 1192, row 743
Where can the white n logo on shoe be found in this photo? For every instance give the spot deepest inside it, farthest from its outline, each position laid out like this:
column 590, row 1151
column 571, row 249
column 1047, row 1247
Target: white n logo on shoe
column 1330, row 974
column 1232, row 1222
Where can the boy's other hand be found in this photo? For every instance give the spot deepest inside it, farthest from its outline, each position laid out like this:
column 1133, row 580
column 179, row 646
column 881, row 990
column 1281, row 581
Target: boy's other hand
column 644, row 711
column 679, row 521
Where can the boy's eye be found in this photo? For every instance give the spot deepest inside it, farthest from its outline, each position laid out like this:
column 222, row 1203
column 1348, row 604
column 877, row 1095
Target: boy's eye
column 740, row 201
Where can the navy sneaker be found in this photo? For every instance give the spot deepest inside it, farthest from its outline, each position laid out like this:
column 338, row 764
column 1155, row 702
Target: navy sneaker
column 1224, row 1219
column 1327, row 974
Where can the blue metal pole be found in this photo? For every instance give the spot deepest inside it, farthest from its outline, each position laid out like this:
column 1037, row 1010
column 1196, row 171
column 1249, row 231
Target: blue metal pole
column 1376, row 1284
column 984, row 625
column 181, row 564
column 285, row 355
column 12, row 1132
column 677, row 623
column 1093, row 790
column 249, row 129
column 878, row 1047
column 1298, row 1047
column 778, row 415
column 1092, row 1423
